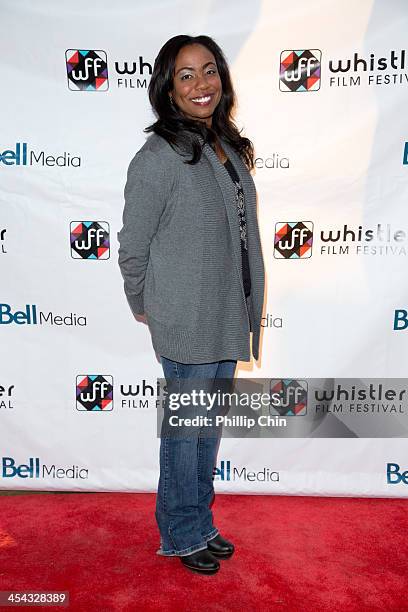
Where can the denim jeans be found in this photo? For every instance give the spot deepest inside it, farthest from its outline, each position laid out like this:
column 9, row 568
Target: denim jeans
column 185, row 488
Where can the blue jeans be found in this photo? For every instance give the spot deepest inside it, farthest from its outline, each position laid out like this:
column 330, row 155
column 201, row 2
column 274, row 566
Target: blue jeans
column 186, row 489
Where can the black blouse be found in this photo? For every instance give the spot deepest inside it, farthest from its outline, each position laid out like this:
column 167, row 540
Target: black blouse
column 239, row 197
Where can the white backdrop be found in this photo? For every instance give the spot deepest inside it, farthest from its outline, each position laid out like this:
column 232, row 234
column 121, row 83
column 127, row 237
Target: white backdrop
column 329, row 152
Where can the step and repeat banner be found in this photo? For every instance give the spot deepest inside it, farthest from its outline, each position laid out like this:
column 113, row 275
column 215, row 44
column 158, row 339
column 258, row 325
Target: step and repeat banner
column 322, row 90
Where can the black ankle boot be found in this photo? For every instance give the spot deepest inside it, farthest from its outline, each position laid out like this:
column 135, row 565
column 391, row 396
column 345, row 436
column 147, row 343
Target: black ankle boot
column 201, row 561
column 221, row 548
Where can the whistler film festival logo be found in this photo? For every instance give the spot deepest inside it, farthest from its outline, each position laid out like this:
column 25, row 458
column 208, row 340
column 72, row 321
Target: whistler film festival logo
column 300, row 70
column 90, row 240
column 369, row 69
column 288, row 397
column 3, row 241
column 6, row 394
column 87, row 70
column 94, row 392
column 293, row 240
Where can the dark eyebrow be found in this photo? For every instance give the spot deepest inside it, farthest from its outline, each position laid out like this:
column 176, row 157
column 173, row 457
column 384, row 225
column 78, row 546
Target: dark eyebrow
column 191, row 68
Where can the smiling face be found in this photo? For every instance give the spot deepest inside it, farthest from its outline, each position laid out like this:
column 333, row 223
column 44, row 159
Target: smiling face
column 197, row 85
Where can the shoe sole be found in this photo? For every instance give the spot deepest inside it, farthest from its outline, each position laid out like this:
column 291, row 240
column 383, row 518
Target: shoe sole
column 221, row 555
column 201, row 571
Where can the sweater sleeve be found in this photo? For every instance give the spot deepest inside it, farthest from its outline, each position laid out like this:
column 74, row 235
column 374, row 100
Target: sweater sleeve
column 145, row 196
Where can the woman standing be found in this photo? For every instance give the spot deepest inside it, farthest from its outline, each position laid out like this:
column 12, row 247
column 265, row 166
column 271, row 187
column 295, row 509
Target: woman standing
column 191, row 259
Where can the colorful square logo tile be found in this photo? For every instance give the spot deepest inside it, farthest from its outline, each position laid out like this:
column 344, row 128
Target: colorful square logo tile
column 293, row 240
column 87, row 70
column 90, row 240
column 94, row 392
column 300, row 70
column 292, row 395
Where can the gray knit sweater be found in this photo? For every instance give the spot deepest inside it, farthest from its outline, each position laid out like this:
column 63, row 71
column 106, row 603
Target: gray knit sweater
column 180, row 254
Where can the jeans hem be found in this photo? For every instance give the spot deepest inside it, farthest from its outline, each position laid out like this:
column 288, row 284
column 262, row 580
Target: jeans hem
column 181, row 553
column 214, row 532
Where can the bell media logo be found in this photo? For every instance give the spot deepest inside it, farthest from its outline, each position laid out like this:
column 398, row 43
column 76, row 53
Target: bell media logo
column 395, row 475
column 226, row 471
column 87, row 70
column 400, row 319
column 289, row 397
column 300, row 70
column 94, row 392
column 293, row 239
column 90, row 240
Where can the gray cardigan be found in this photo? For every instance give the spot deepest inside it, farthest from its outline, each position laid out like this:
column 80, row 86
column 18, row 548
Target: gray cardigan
column 180, row 254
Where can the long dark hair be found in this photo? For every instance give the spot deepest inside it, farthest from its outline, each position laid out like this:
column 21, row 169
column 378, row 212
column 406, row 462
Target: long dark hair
column 180, row 131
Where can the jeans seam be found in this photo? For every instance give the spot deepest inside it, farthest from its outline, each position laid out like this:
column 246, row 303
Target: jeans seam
column 178, row 376
column 198, row 464
column 166, row 465
column 169, row 531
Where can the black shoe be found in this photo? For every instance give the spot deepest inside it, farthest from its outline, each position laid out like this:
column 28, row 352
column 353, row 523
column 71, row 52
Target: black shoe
column 221, row 548
column 201, row 561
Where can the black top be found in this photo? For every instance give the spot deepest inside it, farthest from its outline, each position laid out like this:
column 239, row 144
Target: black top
column 239, row 196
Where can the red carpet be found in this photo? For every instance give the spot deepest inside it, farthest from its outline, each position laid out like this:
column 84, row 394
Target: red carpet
column 292, row 553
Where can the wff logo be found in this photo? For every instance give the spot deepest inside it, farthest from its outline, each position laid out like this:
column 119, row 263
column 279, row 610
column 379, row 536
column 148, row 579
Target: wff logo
column 300, row 70
column 90, row 239
column 94, row 392
column 87, row 70
column 293, row 240
column 288, row 397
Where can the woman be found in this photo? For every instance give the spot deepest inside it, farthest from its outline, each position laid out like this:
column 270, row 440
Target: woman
column 191, row 259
